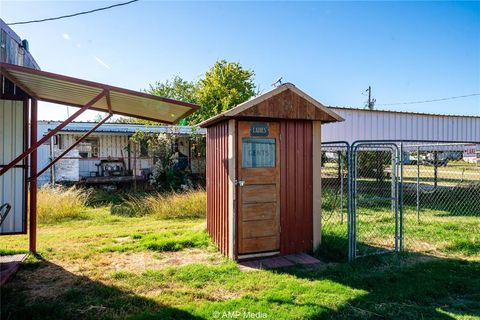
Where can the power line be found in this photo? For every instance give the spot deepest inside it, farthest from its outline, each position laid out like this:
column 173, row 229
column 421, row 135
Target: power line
column 432, row 100
column 73, row 14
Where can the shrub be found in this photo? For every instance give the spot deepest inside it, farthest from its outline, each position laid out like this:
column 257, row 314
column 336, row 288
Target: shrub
column 169, row 171
column 173, row 205
column 55, row 203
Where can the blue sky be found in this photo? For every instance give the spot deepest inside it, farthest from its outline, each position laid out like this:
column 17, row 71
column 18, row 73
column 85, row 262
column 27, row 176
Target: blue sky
column 407, row 51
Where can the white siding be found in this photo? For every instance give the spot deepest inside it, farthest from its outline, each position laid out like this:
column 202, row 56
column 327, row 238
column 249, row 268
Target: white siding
column 12, row 182
column 362, row 124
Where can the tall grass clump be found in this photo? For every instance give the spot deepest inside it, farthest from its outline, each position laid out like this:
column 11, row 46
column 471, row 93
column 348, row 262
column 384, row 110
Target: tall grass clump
column 172, row 205
column 56, row 203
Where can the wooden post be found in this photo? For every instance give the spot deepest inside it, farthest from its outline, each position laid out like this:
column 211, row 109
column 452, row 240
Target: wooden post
column 52, row 156
column 135, row 167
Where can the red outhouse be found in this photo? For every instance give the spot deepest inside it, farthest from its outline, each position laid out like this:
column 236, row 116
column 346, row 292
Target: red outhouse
column 263, row 174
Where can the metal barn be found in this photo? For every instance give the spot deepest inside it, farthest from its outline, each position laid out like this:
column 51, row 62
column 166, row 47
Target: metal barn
column 262, row 157
column 365, row 124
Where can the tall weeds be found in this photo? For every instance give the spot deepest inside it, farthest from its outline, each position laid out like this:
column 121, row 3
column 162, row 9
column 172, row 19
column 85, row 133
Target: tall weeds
column 171, row 205
column 55, row 203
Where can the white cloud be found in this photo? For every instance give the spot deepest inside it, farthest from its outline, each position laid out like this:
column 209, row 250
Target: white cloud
column 66, row 36
column 102, row 62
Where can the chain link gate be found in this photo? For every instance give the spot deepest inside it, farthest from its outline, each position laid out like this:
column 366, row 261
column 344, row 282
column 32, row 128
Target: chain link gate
column 375, row 199
column 390, row 196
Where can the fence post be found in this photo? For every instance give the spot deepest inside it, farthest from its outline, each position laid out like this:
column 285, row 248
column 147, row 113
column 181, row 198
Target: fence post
column 400, row 198
column 350, row 221
column 341, row 185
column 418, row 184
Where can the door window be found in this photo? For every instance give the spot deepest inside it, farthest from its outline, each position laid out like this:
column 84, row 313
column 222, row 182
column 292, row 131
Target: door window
column 258, row 153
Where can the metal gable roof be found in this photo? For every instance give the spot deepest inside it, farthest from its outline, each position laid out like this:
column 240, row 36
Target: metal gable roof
column 60, row 89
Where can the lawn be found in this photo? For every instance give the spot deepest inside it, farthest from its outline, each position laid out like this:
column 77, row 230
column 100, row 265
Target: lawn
column 447, row 223
column 103, row 266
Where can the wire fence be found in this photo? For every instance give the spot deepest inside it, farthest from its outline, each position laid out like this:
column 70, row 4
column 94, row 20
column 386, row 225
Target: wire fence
column 335, row 224
column 400, row 195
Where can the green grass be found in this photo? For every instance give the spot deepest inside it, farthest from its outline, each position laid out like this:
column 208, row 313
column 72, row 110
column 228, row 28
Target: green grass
column 448, row 222
column 407, row 286
column 105, row 266
column 161, row 242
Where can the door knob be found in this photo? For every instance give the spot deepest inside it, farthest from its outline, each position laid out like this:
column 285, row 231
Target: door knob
column 240, row 183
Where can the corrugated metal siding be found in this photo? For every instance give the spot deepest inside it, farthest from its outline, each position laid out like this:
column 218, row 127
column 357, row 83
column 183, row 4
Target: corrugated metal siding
column 217, row 184
column 296, row 187
column 12, row 183
column 112, row 146
column 11, row 50
column 377, row 125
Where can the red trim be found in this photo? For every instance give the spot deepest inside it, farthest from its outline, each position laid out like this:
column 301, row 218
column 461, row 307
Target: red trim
column 72, row 146
column 35, row 145
column 109, row 103
column 33, row 182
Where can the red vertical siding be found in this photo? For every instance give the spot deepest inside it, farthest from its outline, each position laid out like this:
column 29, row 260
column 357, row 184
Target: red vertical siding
column 217, row 184
column 296, row 186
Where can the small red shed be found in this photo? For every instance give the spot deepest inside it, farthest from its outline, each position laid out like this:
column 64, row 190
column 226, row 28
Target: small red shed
column 263, row 174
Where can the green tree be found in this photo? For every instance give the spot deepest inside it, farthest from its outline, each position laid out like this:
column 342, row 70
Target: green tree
column 176, row 88
column 224, row 86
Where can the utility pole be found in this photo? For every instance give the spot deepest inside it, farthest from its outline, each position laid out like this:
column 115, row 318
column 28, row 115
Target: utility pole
column 371, row 102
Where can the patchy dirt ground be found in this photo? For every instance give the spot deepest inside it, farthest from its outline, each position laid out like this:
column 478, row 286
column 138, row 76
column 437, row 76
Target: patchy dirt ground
column 140, row 261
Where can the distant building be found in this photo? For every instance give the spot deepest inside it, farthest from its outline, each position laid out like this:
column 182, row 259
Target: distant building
column 365, row 124
column 472, row 153
column 108, row 154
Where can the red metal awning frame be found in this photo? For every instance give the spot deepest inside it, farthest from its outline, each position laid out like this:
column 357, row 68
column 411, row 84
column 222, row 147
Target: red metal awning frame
column 33, row 143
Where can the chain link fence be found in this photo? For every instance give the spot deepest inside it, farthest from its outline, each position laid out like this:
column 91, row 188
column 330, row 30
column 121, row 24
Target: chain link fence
column 398, row 195
column 335, row 201
column 441, row 199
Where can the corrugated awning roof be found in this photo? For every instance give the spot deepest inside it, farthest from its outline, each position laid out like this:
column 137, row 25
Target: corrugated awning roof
column 125, row 128
column 60, row 89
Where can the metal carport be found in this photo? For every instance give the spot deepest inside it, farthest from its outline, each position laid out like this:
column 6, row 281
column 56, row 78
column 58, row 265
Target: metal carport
column 30, row 86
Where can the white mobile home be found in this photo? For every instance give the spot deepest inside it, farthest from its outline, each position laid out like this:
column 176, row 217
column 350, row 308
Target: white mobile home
column 108, row 151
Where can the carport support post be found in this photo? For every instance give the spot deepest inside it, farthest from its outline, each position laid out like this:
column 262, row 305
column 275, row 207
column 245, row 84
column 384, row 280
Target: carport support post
column 33, row 180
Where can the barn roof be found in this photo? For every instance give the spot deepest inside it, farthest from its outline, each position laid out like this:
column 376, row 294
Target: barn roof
column 283, row 102
column 61, row 89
